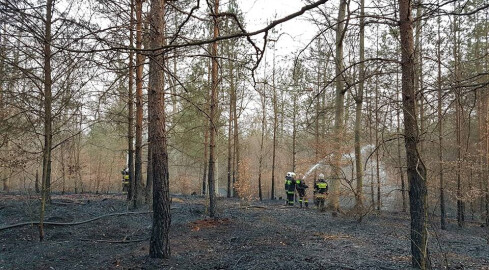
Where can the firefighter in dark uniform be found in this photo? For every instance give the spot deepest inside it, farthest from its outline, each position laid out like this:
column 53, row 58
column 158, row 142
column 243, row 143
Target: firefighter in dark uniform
column 125, row 181
column 290, row 188
column 321, row 190
column 301, row 187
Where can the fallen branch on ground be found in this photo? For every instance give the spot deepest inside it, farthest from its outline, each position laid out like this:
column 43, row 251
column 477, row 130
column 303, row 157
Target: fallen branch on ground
column 253, row 206
column 72, row 223
column 116, row 241
column 67, row 203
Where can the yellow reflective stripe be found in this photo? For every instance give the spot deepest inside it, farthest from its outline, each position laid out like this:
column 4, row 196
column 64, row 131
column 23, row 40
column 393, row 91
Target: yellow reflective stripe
column 322, row 185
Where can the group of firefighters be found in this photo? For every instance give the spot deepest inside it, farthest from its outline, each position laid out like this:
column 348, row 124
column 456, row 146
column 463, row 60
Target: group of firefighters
column 293, row 186
column 297, row 186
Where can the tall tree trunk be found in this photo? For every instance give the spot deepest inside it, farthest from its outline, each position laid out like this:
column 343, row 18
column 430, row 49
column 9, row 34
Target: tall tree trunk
column 206, row 147
column 401, row 170
column 37, row 182
column 358, row 112
column 138, row 176
column 294, row 131
column 418, row 79
column 484, row 146
column 159, row 243
column 213, row 117
column 416, row 170
column 237, row 158
column 48, row 133
column 486, row 129
column 207, row 125
column 149, row 163
column 318, row 111
column 377, row 142
column 458, row 127
column 230, row 139
column 149, row 172
column 370, row 136
column 76, row 167
column 62, row 151
column 3, row 77
column 443, row 221
column 274, row 142
column 275, row 127
column 262, row 141
column 130, row 106
column 339, row 107
column 236, row 143
column 231, row 174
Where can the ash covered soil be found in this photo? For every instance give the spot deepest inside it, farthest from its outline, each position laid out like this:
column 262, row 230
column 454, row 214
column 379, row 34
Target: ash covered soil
column 247, row 235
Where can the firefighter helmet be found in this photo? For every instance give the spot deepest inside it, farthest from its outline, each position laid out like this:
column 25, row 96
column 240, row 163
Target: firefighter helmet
column 321, row 176
column 290, row 175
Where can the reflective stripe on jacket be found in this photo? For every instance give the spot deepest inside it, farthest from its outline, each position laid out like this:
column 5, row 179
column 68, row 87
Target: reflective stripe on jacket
column 289, row 185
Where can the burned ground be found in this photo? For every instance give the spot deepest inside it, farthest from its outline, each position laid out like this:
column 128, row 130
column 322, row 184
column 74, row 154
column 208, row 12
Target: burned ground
column 255, row 235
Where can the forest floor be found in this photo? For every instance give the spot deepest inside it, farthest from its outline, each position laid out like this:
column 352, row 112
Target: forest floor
column 247, row 235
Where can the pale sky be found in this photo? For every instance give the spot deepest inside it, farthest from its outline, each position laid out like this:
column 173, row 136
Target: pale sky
column 259, row 12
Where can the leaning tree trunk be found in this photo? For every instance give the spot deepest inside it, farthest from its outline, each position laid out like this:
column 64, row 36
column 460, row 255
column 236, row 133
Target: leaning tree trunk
column 48, row 133
column 416, row 170
column 159, row 243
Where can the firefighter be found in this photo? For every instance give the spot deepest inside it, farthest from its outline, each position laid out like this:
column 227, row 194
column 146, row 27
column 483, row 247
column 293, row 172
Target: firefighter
column 301, row 187
column 321, row 190
column 125, row 180
column 290, row 187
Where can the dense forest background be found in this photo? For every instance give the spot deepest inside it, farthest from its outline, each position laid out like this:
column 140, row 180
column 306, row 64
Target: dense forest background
column 74, row 80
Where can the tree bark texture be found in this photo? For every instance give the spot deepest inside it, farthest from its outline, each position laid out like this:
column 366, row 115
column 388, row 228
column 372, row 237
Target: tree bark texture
column 237, row 158
column 230, row 152
column 339, row 107
column 159, row 243
column 130, row 106
column 458, row 125
column 416, row 170
column 358, row 112
column 48, row 133
column 443, row 221
column 138, row 176
column 213, row 117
